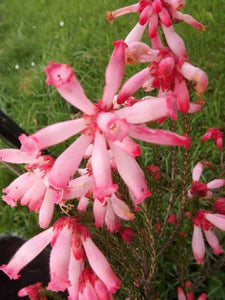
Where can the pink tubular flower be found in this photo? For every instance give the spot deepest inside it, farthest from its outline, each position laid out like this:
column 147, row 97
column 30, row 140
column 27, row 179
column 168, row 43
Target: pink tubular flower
column 111, row 211
column 214, row 134
column 156, row 13
column 201, row 222
column 200, row 189
column 167, row 72
column 103, row 125
column 91, row 287
column 71, row 243
column 32, row 188
column 33, row 291
column 188, row 295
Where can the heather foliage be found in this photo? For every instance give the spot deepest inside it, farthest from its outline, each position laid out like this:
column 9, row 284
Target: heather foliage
column 128, row 180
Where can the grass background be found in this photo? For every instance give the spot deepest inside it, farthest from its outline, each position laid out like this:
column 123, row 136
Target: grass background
column 31, row 36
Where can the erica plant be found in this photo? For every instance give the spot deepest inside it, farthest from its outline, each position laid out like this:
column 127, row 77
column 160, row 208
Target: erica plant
column 121, row 193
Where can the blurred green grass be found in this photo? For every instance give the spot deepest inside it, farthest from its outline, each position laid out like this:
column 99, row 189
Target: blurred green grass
column 31, row 36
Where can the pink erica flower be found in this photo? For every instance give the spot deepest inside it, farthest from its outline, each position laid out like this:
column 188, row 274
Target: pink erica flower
column 91, row 287
column 111, row 211
column 214, row 134
column 188, row 295
column 167, row 72
column 71, row 244
column 159, row 12
column 200, row 189
column 103, row 125
column 201, row 222
column 32, row 188
column 33, row 291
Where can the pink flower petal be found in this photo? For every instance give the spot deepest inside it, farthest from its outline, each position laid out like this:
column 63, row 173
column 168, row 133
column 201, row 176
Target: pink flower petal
column 129, row 146
column 111, row 219
column 198, row 245
column 99, row 210
column 136, row 34
column 46, row 209
column 213, row 242
column 158, row 136
column 16, row 156
column 62, row 77
column 121, row 209
column 27, row 252
column 131, row 173
column 57, row 133
column 217, row 220
column 76, row 267
column 103, row 184
column 174, row 41
column 59, row 261
column 149, row 109
column 197, row 171
column 132, row 85
column 216, row 183
column 197, row 75
column 101, row 266
column 67, row 163
column 180, row 294
column 114, row 73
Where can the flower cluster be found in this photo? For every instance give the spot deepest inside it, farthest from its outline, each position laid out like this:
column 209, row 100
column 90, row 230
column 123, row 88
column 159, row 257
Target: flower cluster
column 107, row 136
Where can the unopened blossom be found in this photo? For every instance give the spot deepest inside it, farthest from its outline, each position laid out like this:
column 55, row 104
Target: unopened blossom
column 171, row 219
column 219, row 206
column 201, row 222
column 71, row 245
column 32, row 188
column 182, row 295
column 214, row 134
column 105, row 127
column 127, row 234
column 33, row 291
column 154, row 171
column 200, row 189
column 159, row 13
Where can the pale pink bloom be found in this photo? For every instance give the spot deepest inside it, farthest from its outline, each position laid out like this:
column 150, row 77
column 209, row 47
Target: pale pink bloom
column 182, row 295
column 27, row 252
column 33, row 291
column 214, row 134
column 217, row 220
column 200, row 189
column 68, row 238
column 32, row 188
column 202, row 222
column 198, row 245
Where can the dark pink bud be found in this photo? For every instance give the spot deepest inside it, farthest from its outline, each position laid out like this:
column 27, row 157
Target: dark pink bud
column 154, row 171
column 172, row 219
column 219, row 206
column 127, row 234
